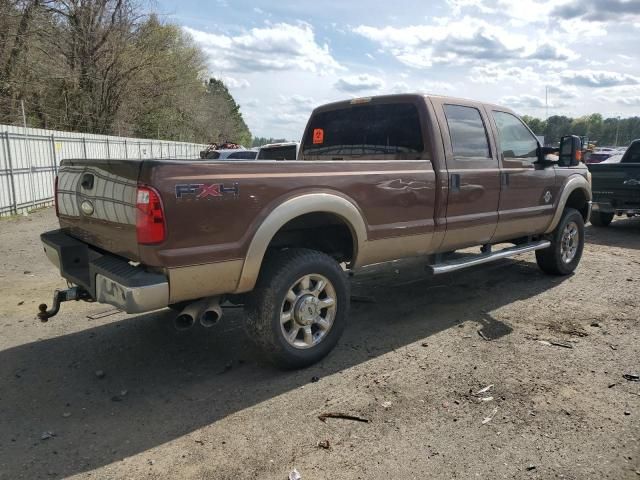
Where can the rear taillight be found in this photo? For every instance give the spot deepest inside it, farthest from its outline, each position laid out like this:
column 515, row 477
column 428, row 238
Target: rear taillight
column 55, row 196
column 150, row 226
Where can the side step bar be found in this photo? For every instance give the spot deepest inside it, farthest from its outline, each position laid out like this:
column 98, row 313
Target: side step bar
column 459, row 264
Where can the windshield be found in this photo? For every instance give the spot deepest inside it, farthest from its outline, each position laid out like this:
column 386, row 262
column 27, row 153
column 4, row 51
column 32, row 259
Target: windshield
column 384, row 131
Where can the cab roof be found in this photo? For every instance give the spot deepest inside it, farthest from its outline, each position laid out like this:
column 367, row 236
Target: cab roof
column 402, row 97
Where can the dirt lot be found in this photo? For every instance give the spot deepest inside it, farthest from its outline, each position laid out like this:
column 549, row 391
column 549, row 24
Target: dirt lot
column 201, row 404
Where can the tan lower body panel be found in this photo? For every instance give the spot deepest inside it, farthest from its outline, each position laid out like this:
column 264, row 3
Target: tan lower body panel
column 523, row 222
column 197, row 281
column 383, row 250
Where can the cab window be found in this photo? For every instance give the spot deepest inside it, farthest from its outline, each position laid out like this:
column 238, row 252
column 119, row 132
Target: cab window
column 516, row 141
column 467, row 131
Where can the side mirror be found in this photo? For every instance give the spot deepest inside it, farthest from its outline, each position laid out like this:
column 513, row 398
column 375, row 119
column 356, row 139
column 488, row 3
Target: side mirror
column 570, row 151
column 547, row 156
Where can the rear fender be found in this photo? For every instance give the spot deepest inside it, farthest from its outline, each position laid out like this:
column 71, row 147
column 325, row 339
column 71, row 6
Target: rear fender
column 289, row 210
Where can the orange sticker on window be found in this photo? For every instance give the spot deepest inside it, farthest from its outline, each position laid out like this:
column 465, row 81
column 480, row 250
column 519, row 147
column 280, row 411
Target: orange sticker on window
column 318, row 136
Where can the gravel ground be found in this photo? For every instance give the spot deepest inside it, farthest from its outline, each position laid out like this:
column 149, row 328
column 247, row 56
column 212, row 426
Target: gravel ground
column 129, row 397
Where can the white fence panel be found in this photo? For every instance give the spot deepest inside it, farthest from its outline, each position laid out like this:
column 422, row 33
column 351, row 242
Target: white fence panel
column 29, row 160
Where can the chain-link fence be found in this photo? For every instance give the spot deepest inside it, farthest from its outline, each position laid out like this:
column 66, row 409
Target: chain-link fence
column 29, row 160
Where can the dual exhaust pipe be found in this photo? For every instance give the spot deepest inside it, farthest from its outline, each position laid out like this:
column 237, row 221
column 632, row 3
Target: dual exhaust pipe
column 207, row 311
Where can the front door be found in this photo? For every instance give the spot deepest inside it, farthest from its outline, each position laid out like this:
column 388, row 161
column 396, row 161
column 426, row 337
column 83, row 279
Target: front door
column 474, row 174
column 529, row 190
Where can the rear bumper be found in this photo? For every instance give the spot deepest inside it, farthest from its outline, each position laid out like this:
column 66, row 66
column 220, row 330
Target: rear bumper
column 107, row 278
column 608, row 207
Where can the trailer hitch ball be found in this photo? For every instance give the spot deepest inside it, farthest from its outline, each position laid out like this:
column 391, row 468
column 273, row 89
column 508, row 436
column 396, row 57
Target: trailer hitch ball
column 59, row 296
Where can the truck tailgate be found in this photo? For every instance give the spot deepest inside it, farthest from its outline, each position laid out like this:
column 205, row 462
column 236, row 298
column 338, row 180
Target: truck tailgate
column 97, row 203
column 618, row 183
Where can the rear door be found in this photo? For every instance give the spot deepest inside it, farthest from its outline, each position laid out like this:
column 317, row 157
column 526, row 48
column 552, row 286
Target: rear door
column 473, row 172
column 528, row 189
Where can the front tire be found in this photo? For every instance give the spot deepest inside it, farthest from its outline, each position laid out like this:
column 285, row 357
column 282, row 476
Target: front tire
column 601, row 219
column 298, row 309
column 567, row 244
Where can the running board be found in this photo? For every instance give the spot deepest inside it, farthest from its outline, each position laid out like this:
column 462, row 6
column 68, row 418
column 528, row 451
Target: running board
column 459, row 264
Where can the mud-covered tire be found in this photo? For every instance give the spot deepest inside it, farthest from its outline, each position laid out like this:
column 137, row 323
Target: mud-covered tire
column 556, row 260
column 601, row 219
column 280, row 278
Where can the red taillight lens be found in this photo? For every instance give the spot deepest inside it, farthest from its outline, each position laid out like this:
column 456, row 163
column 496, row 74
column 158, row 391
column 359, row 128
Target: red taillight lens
column 150, row 217
column 55, row 196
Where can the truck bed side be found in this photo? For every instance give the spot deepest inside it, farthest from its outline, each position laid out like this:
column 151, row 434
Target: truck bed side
column 214, row 210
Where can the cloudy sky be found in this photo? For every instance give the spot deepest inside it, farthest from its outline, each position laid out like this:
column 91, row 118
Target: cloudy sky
column 282, row 58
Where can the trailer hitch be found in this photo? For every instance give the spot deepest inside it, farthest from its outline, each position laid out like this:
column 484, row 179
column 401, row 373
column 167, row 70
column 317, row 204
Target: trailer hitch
column 59, row 296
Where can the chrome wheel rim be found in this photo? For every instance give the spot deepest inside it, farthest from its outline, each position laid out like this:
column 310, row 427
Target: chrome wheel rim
column 569, row 242
column 308, row 311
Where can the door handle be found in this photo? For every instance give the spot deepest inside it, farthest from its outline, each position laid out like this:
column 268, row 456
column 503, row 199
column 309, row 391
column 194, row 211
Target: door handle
column 455, row 182
column 505, row 179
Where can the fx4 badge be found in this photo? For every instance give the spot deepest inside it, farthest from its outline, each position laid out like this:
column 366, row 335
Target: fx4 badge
column 201, row 190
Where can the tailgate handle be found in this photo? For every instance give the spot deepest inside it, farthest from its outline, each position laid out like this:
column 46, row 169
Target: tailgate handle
column 87, row 181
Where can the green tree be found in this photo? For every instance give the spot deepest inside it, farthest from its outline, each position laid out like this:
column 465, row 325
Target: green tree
column 260, row 141
column 108, row 66
column 535, row 124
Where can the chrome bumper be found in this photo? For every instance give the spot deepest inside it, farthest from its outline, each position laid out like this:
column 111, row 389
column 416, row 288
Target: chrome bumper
column 107, row 278
column 132, row 299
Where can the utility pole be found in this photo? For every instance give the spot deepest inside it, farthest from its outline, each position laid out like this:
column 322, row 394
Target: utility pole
column 546, row 101
column 27, row 145
column 617, row 130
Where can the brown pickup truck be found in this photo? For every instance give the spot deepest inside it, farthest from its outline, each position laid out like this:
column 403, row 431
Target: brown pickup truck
column 376, row 179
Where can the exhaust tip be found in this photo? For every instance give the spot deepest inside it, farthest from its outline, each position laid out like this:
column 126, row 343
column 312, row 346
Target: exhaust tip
column 210, row 318
column 184, row 321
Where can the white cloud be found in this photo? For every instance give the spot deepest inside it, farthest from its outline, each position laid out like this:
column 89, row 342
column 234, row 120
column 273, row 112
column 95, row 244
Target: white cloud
column 457, row 42
column 235, row 83
column 523, row 101
column 438, row 87
column 598, row 78
column 458, row 6
column 359, row 83
column 599, row 10
column 563, row 91
column 400, row 87
column 550, row 52
column 519, row 12
column 626, row 101
column 495, row 72
column 277, row 47
column 300, row 101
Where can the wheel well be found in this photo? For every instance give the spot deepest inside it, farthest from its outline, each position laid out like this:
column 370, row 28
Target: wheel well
column 325, row 232
column 578, row 199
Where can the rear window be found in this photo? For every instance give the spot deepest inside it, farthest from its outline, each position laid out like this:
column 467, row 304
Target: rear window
column 378, row 131
column 287, row 152
column 632, row 155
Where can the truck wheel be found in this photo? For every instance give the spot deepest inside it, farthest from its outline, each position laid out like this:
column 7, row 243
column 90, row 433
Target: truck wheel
column 564, row 254
column 601, row 219
column 299, row 307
